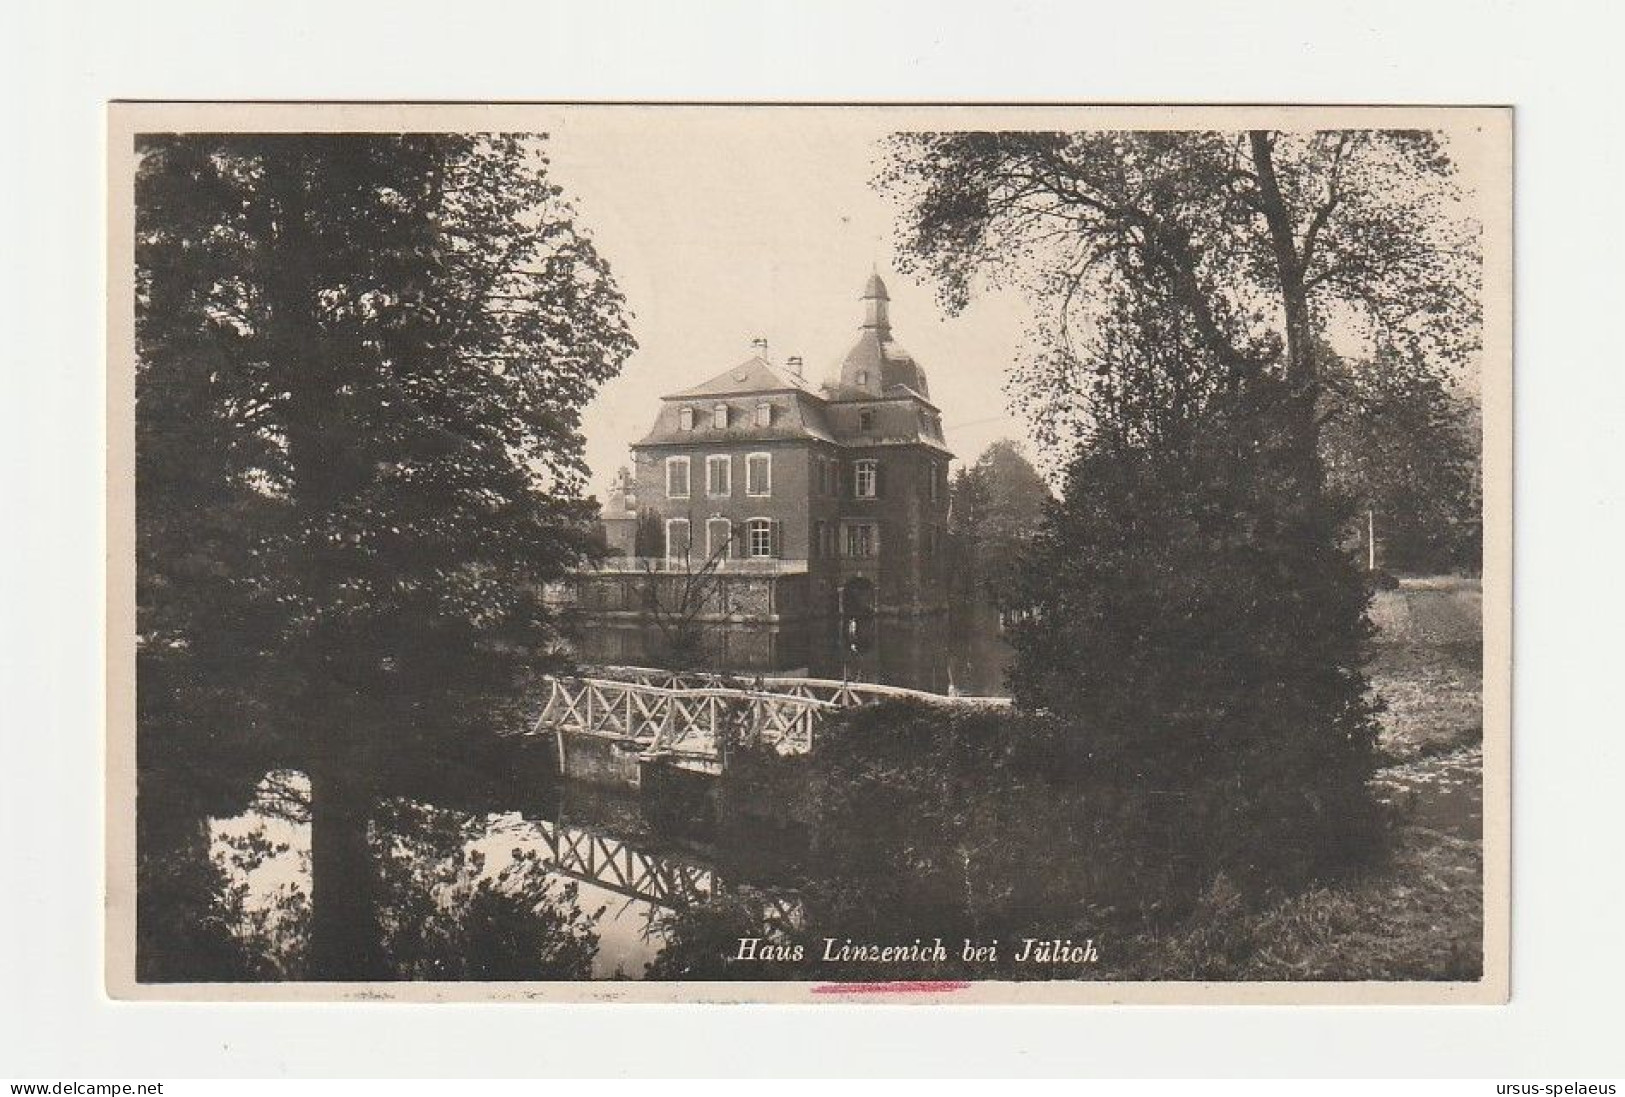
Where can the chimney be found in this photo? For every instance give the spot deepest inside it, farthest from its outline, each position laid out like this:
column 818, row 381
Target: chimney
column 759, row 344
column 794, row 362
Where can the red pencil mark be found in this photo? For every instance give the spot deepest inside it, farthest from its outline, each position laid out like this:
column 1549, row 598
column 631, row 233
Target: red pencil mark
column 900, row 987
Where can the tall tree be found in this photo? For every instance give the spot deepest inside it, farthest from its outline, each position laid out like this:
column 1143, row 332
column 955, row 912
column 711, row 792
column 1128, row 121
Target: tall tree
column 1192, row 586
column 361, row 361
column 1262, row 241
column 996, row 505
column 1404, row 447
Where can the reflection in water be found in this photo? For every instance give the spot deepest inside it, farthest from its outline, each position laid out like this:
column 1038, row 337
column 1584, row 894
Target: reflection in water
column 498, row 894
column 963, row 651
column 489, row 867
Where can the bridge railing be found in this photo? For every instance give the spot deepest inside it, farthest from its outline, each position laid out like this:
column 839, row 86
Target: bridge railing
column 730, row 565
column 687, row 721
column 843, row 693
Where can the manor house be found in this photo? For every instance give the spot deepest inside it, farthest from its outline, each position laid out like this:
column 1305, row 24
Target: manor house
column 846, row 482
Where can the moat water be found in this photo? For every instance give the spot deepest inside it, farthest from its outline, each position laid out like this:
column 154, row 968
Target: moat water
column 962, row 652
column 607, row 872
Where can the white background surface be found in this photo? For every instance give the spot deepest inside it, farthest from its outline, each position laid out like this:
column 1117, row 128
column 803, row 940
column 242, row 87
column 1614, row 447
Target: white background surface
column 1557, row 63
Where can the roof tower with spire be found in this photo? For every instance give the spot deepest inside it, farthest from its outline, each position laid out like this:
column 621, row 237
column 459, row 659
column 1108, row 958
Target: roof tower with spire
column 876, row 365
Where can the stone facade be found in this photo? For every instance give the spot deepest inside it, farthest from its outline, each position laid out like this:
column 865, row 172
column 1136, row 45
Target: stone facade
column 851, row 477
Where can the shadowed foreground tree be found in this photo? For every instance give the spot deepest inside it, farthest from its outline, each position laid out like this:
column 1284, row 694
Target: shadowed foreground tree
column 1192, row 588
column 361, row 361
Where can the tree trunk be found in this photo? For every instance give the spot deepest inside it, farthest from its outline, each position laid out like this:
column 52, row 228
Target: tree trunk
column 1303, row 375
column 345, row 937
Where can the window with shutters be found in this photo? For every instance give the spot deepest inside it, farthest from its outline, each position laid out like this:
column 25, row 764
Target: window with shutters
column 865, row 478
column 862, row 539
column 719, row 416
column 719, row 476
column 677, row 477
column 759, row 537
column 764, row 415
column 759, row 474
column 677, row 538
column 685, row 418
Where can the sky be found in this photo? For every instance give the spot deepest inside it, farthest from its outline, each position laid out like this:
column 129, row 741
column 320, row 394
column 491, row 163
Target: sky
column 722, row 226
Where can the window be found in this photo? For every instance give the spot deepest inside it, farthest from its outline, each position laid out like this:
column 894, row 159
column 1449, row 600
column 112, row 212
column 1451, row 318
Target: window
column 866, row 420
column 935, row 474
column 677, row 538
column 685, row 418
column 862, row 539
column 764, row 415
column 719, row 476
column 719, row 534
column 863, row 377
column 931, row 542
column 719, row 416
column 865, row 479
column 829, row 541
column 759, row 474
column 818, row 539
column 677, row 477
column 759, row 537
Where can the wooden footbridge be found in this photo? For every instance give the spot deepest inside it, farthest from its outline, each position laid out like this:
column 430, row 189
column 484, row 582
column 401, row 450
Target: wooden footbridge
column 686, row 718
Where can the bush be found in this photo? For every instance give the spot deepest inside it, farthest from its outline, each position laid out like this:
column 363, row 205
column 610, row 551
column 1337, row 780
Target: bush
column 986, row 823
column 1191, row 606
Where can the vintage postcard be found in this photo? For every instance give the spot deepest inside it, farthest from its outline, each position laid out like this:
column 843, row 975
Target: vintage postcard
column 809, row 553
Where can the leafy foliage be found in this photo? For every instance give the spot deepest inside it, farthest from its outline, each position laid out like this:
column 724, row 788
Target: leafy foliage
column 447, row 917
column 1175, row 601
column 361, row 362
column 1259, row 240
column 995, row 506
column 1401, row 444
column 1191, row 594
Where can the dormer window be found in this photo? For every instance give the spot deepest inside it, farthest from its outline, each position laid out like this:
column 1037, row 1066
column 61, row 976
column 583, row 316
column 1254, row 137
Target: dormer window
column 685, row 418
column 719, row 416
column 764, row 415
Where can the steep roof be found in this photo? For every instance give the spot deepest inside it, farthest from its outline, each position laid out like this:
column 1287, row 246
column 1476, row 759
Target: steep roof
column 796, row 411
column 876, row 373
column 876, row 365
column 755, row 374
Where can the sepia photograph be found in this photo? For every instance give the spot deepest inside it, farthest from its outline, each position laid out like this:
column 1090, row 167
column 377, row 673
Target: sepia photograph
column 828, row 554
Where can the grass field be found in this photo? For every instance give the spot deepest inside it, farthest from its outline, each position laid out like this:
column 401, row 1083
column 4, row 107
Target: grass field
column 1427, row 666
